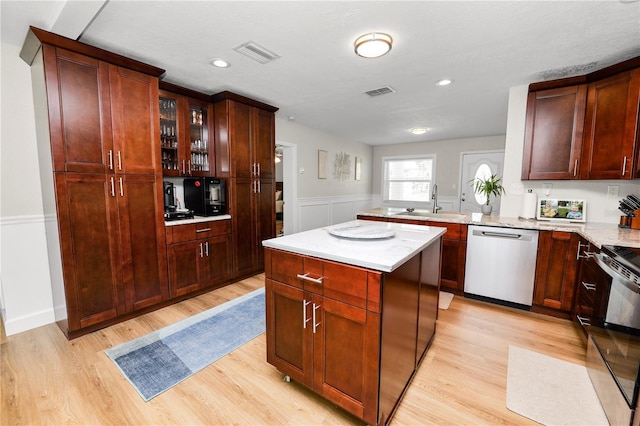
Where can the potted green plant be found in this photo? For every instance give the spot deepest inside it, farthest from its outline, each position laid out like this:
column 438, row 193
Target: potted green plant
column 488, row 187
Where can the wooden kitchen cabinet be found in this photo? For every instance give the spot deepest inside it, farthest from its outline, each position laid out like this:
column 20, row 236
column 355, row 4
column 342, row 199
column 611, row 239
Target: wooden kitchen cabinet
column 556, row 273
column 101, row 162
column 584, row 127
column 553, row 133
column 323, row 342
column 200, row 256
column 354, row 336
column 186, row 123
column 592, row 290
column 610, row 139
column 245, row 154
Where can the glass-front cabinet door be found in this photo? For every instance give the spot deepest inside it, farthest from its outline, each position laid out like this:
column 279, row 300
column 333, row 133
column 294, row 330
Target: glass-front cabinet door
column 184, row 135
column 198, row 158
column 169, row 135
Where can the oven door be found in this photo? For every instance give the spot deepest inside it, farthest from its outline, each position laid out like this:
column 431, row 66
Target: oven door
column 623, row 308
column 613, row 350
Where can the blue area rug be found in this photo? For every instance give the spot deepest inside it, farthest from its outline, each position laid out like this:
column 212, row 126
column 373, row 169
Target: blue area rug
column 162, row 359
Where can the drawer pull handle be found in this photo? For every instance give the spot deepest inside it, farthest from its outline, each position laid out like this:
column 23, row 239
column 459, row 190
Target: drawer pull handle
column 305, row 320
column 583, row 321
column 589, row 286
column 308, row 278
column 203, row 230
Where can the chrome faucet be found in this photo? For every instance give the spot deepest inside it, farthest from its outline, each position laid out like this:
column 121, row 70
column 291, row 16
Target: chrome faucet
column 434, row 197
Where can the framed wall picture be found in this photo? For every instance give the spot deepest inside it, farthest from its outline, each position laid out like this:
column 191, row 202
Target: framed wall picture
column 561, row 210
column 322, row 164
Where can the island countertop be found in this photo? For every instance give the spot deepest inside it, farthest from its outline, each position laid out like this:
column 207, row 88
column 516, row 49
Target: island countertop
column 380, row 254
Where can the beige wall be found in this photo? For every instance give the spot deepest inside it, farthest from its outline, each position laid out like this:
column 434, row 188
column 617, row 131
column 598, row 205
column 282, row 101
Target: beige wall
column 308, row 141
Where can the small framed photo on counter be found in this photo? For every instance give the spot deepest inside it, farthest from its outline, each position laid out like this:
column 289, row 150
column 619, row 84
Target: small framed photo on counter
column 561, row 210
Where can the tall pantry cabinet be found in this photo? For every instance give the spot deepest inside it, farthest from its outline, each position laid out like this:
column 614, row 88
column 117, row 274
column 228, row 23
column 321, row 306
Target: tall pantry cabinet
column 97, row 129
column 245, row 154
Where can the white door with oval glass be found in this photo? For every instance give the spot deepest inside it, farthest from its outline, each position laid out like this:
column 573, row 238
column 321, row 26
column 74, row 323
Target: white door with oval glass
column 478, row 165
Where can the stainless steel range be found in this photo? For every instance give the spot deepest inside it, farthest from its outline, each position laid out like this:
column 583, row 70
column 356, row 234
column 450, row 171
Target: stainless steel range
column 613, row 348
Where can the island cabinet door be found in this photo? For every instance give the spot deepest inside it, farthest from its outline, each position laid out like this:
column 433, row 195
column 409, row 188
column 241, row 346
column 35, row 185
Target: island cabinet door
column 346, row 356
column 289, row 332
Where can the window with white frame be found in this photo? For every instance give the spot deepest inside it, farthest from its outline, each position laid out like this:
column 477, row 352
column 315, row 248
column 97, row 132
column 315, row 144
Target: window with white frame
column 408, row 179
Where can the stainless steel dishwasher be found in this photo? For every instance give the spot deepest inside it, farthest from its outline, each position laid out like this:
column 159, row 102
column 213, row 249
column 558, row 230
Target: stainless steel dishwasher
column 501, row 264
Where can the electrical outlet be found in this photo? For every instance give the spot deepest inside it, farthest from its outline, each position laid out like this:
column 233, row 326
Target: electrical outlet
column 546, row 188
column 613, row 191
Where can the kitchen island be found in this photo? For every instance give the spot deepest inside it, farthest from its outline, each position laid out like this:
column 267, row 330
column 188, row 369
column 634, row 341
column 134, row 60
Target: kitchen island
column 351, row 310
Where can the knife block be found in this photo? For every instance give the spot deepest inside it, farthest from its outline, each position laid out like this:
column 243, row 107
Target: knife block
column 635, row 221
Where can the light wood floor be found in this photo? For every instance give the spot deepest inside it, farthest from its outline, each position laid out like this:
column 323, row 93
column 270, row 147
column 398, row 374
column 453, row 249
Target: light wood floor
column 49, row 380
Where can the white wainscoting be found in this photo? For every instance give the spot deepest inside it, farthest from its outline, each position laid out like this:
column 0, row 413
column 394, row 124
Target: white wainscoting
column 316, row 212
column 27, row 300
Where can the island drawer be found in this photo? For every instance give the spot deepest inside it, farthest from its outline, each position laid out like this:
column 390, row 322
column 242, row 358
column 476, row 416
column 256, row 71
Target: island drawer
column 349, row 284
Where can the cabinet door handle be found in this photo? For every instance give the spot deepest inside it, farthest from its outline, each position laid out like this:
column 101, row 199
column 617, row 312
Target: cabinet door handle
column 305, row 320
column 201, row 252
column 206, row 248
column 113, row 187
column 203, row 230
column 589, row 286
column 119, row 161
column 121, row 188
column 258, row 164
column 586, row 253
column 110, row 159
column 308, row 278
column 184, row 170
column 315, row 324
column 259, row 186
column 189, row 167
column 575, row 168
column 624, row 165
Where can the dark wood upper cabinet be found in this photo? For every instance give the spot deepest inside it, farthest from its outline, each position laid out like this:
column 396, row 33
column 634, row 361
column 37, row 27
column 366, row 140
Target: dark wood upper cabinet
column 79, row 111
column 611, row 126
column 553, row 133
column 584, row 127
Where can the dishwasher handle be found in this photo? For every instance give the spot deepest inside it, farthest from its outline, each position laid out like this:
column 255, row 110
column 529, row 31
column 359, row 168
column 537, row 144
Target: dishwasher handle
column 497, row 234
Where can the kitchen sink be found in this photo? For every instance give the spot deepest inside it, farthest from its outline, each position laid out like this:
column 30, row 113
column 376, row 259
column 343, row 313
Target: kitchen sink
column 422, row 213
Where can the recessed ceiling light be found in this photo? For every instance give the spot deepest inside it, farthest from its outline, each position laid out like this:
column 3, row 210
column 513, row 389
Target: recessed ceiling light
column 219, row 62
column 444, row 82
column 373, row 45
column 419, row 130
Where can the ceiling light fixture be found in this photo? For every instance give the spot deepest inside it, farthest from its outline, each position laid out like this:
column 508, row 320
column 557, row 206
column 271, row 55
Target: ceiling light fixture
column 373, row 45
column 419, row 130
column 444, row 82
column 219, row 63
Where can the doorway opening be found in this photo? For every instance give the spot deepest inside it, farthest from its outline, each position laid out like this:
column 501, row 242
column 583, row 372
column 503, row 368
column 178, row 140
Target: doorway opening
column 286, row 188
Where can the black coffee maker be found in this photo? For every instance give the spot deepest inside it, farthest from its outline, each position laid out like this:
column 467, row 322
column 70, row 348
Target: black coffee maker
column 170, row 204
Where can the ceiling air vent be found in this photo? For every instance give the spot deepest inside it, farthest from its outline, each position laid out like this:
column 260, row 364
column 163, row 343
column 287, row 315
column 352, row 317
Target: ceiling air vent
column 380, row 91
column 256, row 52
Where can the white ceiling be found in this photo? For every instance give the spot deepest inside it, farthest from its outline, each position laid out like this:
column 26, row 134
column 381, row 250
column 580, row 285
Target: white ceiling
column 485, row 46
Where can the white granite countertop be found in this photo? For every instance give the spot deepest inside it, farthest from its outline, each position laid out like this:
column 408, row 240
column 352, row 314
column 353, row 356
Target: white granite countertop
column 380, row 254
column 596, row 233
column 196, row 219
